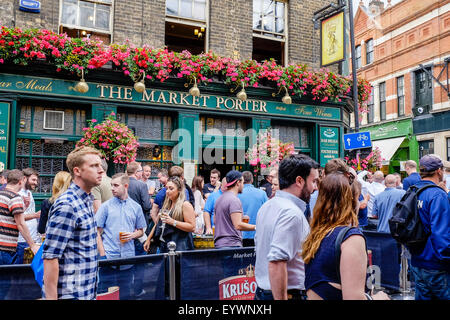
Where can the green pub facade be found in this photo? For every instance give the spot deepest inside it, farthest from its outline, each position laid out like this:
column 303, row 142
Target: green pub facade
column 42, row 117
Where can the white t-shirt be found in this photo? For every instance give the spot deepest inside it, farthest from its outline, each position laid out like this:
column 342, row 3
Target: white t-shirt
column 32, row 224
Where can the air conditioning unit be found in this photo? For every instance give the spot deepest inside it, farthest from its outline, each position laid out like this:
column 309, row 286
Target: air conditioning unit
column 421, row 110
column 53, row 120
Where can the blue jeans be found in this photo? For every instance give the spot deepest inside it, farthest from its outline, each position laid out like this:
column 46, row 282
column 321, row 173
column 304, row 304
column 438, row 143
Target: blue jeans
column 7, row 257
column 431, row 284
column 20, row 252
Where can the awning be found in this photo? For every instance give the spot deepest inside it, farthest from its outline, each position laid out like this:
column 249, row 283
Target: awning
column 387, row 147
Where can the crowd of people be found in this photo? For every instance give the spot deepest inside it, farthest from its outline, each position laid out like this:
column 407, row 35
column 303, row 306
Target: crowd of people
column 293, row 219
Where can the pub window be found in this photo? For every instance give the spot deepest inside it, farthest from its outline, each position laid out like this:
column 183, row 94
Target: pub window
column 426, row 147
column 47, row 134
column 358, row 57
column 269, row 30
column 370, row 108
column 448, row 149
column 155, row 144
column 227, row 126
column 298, row 135
column 186, row 23
column 369, row 51
column 92, row 19
column 382, row 95
column 401, row 96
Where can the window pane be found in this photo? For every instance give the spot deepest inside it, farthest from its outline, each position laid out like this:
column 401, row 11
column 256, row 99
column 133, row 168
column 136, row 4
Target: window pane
column 268, row 7
column 279, row 25
column 199, row 10
column 268, row 23
column 87, row 14
column 69, row 12
column 186, row 8
column 279, row 9
column 102, row 17
column 172, row 7
column 257, row 21
column 257, row 5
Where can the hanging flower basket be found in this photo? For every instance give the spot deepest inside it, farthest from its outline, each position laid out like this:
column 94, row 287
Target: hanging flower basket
column 267, row 152
column 113, row 139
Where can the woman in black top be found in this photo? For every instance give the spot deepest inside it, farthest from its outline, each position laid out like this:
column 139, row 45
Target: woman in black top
column 178, row 216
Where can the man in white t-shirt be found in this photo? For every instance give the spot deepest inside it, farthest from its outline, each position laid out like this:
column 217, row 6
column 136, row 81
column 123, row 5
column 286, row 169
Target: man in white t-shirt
column 31, row 216
column 151, row 184
column 374, row 188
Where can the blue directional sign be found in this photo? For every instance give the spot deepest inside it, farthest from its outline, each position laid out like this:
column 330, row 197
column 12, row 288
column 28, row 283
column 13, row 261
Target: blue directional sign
column 358, row 140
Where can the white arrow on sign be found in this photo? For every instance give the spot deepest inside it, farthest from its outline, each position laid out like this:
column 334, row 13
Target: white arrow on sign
column 348, row 141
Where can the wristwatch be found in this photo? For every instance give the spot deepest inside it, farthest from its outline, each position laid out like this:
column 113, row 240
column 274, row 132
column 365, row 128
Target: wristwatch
column 175, row 223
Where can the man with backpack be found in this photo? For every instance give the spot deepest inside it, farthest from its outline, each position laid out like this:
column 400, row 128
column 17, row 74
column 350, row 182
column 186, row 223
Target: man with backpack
column 431, row 266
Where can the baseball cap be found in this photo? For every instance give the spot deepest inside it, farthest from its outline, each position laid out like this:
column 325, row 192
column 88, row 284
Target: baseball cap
column 232, row 176
column 430, row 163
column 446, row 165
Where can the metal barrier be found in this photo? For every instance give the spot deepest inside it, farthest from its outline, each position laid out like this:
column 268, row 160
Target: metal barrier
column 208, row 274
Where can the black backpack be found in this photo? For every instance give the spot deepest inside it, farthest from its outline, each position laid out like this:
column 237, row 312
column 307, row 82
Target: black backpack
column 405, row 224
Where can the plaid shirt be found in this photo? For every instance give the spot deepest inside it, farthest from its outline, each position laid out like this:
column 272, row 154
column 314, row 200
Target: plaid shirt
column 71, row 236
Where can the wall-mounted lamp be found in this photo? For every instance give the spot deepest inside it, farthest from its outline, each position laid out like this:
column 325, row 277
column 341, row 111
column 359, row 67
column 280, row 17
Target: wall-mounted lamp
column 241, row 95
column 82, row 86
column 194, row 91
column 286, row 98
column 139, row 86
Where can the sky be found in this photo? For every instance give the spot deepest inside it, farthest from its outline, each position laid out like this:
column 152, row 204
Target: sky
column 366, row 3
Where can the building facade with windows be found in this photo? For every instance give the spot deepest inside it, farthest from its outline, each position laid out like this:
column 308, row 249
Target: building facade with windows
column 404, row 51
column 43, row 116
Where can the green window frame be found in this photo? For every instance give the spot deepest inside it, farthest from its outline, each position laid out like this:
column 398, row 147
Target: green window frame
column 155, row 151
column 46, row 150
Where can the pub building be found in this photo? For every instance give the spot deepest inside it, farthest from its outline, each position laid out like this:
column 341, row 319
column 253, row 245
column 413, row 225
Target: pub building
column 43, row 116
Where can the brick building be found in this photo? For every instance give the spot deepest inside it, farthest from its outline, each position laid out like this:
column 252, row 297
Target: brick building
column 43, row 116
column 241, row 29
column 398, row 48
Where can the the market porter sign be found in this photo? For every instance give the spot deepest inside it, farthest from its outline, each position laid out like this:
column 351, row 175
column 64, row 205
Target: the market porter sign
column 116, row 93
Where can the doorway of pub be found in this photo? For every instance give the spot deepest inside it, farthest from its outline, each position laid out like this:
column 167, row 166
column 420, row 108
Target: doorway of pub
column 223, row 160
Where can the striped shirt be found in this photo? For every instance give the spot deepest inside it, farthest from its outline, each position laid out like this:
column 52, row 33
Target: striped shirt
column 10, row 204
column 71, row 237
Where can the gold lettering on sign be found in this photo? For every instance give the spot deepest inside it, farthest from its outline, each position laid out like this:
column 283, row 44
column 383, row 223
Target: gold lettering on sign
column 127, row 95
column 102, row 90
column 173, row 97
column 5, row 84
column 302, row 110
column 112, row 92
column 148, row 97
column 321, row 112
column 35, row 85
column 162, row 97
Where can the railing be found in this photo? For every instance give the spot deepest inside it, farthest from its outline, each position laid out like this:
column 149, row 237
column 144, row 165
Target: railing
column 214, row 274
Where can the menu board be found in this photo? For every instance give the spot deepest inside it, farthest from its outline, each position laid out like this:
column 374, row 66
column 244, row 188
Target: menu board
column 4, row 134
column 329, row 144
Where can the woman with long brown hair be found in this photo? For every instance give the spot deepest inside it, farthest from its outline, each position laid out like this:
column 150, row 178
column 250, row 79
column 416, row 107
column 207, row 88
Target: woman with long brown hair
column 177, row 219
column 326, row 278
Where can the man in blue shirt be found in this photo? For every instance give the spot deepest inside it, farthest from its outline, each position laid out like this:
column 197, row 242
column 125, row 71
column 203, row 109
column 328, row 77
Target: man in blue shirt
column 413, row 176
column 252, row 199
column 119, row 221
column 431, row 266
column 208, row 210
column 385, row 202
